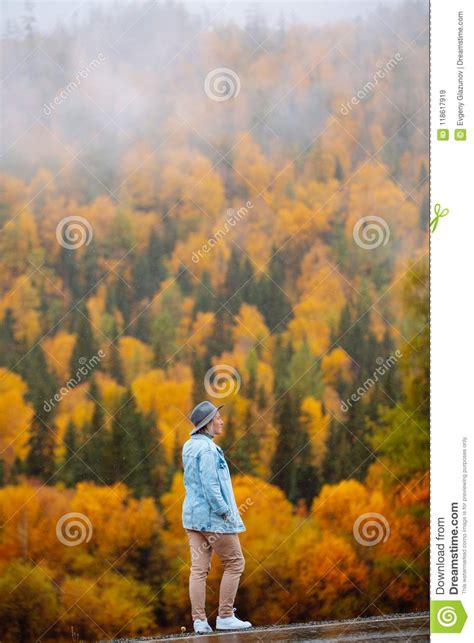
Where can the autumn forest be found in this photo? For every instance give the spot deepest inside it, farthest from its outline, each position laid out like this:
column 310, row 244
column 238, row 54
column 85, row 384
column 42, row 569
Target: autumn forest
column 194, row 208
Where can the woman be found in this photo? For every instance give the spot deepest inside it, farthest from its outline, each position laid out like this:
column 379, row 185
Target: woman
column 211, row 519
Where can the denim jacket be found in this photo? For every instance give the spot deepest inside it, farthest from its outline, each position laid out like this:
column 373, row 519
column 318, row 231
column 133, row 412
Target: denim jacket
column 209, row 493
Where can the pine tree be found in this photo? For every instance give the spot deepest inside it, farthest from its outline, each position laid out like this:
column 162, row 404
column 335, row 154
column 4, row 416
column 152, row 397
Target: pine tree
column 184, row 280
column 94, row 450
column 244, row 453
column 291, row 465
column 68, row 271
column 247, row 281
column 156, row 267
column 142, row 325
column 232, row 295
column 308, row 481
column 340, row 247
column 347, row 454
column 282, row 355
column 137, row 460
column 120, row 458
column 72, row 469
column 272, row 300
column 124, row 294
column 8, row 344
column 305, row 377
column 228, row 439
column 28, row 21
column 283, row 466
column 387, row 390
column 40, row 461
column 145, row 453
column 251, row 364
column 170, row 235
column 261, row 398
column 356, row 337
column 110, row 299
column 85, row 346
column 42, row 386
column 17, row 469
column 205, row 299
column 221, row 336
column 114, row 362
column 148, row 269
column 90, row 273
column 141, row 277
column 174, row 466
column 199, row 371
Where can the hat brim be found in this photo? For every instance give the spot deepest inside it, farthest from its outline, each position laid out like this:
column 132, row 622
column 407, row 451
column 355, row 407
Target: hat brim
column 207, row 419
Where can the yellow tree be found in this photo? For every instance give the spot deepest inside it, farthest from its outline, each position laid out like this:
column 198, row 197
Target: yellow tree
column 135, row 356
column 253, row 172
column 169, row 396
column 15, row 416
column 317, row 424
column 327, row 578
column 106, row 607
column 318, row 309
column 58, row 350
column 116, row 522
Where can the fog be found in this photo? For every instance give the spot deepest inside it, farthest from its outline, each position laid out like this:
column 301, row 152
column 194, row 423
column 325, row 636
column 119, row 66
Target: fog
column 49, row 14
column 86, row 84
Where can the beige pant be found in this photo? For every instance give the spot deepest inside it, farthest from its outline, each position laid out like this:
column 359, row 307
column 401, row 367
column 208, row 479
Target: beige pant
column 227, row 547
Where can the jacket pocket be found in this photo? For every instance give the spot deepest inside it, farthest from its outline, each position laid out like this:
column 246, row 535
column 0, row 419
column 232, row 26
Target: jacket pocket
column 201, row 516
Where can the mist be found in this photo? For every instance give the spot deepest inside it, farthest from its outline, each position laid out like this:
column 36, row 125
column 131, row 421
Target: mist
column 113, row 77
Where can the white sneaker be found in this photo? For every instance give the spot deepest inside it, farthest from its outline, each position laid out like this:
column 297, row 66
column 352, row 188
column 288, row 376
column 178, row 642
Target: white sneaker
column 231, row 623
column 201, row 626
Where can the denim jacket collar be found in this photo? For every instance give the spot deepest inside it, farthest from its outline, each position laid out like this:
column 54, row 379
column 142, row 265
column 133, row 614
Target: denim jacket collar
column 203, row 436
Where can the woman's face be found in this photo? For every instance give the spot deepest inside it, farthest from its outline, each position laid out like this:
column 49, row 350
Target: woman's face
column 217, row 424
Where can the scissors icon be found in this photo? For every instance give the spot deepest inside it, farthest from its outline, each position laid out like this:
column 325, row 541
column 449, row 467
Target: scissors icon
column 438, row 215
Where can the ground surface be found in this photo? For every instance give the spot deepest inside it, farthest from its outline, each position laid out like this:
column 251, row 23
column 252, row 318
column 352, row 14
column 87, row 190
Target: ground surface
column 398, row 627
